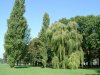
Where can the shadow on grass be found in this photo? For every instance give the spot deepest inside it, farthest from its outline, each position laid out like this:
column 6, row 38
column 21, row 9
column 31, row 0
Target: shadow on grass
column 95, row 68
column 98, row 71
column 21, row 66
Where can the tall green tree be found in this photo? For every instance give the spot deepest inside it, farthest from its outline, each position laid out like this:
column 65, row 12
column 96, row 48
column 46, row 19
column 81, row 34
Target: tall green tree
column 75, row 52
column 25, row 54
column 46, row 22
column 88, row 28
column 15, row 35
column 64, row 21
column 64, row 41
column 57, row 36
column 42, row 35
column 5, row 57
column 97, row 40
column 36, row 52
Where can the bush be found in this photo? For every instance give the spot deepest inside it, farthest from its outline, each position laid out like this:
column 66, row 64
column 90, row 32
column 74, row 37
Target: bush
column 63, row 64
column 55, row 62
column 74, row 60
column 44, row 63
column 11, row 61
column 66, row 62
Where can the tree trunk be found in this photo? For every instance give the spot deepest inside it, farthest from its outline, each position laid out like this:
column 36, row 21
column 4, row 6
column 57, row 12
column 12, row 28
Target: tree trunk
column 20, row 62
column 17, row 62
column 88, row 59
column 99, row 61
column 88, row 63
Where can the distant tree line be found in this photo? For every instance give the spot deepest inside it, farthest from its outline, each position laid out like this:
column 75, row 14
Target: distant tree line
column 67, row 43
column 2, row 61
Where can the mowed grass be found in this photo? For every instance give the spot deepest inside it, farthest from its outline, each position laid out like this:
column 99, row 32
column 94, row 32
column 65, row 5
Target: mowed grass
column 6, row 70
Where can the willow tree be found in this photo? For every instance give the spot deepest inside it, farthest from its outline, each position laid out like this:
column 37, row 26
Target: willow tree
column 57, row 38
column 15, row 35
column 75, row 52
column 64, row 41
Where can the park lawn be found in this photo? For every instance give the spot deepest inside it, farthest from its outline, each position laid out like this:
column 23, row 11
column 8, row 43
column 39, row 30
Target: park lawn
column 6, row 70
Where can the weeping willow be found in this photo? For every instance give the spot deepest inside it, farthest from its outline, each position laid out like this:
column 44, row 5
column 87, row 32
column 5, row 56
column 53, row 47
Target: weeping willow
column 75, row 52
column 65, row 42
column 57, row 38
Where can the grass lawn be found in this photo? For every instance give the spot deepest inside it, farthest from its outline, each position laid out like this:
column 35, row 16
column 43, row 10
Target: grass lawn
column 6, row 70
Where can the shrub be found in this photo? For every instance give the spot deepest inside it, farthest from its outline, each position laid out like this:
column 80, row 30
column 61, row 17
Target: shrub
column 55, row 62
column 63, row 64
column 74, row 60
column 11, row 61
column 44, row 63
column 66, row 62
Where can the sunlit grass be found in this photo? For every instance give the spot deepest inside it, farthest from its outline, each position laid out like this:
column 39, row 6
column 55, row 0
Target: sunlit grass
column 6, row 70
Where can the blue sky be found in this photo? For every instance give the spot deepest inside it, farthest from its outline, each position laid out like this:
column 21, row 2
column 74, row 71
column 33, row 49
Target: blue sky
column 55, row 8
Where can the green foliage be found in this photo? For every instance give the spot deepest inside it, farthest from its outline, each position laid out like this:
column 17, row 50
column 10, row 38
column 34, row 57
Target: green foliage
column 63, row 64
column 44, row 63
column 55, row 62
column 42, row 38
column 11, row 61
column 68, row 39
column 66, row 62
column 74, row 60
column 64, row 40
column 89, row 28
column 2, row 61
column 33, row 49
column 64, row 21
column 57, row 39
column 81, row 57
column 74, row 52
column 37, row 52
column 14, row 38
column 5, row 57
column 46, row 21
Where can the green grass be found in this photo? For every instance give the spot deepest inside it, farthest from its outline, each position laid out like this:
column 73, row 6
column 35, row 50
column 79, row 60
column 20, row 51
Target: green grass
column 6, row 70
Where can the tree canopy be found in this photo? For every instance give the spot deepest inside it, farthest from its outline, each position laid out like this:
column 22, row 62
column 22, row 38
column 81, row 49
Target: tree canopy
column 67, row 43
column 15, row 35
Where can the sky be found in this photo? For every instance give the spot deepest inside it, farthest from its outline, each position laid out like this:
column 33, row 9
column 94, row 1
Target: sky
column 35, row 10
